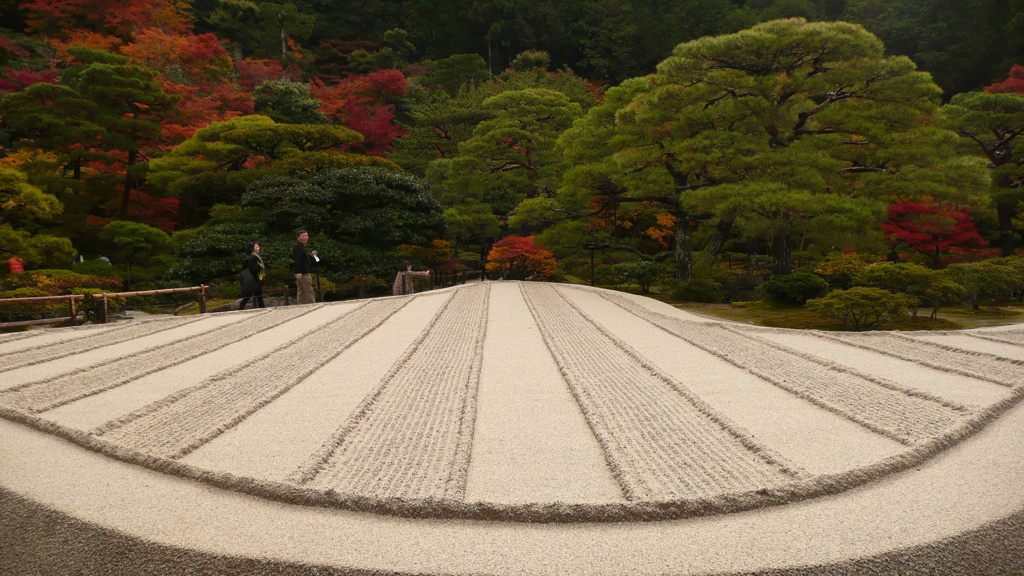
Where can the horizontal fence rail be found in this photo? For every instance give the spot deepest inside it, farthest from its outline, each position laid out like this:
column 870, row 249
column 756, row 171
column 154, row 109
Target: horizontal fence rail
column 103, row 311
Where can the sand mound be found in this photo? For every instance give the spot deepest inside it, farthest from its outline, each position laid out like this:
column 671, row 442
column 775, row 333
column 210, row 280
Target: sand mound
column 528, row 404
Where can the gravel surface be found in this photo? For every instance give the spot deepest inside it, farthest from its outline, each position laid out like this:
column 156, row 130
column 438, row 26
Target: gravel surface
column 509, row 428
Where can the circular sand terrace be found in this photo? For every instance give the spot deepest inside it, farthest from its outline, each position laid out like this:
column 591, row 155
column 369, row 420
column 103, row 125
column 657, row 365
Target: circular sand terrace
column 508, row 428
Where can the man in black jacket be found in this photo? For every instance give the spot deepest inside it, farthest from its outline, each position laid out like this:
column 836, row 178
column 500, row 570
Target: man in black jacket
column 303, row 268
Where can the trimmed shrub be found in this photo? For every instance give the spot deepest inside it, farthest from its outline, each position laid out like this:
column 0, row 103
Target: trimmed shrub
column 699, row 290
column 28, row 311
column 59, row 282
column 860, row 307
column 644, row 273
column 796, row 288
column 90, row 307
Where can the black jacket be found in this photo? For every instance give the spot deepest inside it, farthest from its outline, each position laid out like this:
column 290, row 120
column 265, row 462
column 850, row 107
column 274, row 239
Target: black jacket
column 253, row 264
column 303, row 261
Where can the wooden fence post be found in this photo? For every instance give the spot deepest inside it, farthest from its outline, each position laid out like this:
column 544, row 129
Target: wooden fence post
column 103, row 309
column 362, row 286
column 202, row 298
column 74, row 316
column 287, row 301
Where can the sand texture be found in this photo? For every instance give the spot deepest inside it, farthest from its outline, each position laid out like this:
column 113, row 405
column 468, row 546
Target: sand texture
column 508, row 428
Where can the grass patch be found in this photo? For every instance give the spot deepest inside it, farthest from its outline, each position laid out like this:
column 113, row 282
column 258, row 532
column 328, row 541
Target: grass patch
column 783, row 315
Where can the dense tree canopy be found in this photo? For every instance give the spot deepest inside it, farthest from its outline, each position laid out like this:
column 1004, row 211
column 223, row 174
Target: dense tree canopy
column 993, row 126
column 786, row 128
column 657, row 130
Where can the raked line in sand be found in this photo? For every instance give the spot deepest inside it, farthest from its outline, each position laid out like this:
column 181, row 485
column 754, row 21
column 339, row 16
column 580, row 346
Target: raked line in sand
column 650, row 414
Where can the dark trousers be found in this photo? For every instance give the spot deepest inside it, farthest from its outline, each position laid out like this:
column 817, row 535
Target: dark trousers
column 258, row 295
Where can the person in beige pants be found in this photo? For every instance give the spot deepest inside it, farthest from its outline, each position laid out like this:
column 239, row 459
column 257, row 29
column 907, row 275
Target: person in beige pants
column 303, row 268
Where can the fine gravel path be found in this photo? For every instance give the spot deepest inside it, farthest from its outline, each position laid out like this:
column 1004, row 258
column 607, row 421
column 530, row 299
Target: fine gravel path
column 579, row 430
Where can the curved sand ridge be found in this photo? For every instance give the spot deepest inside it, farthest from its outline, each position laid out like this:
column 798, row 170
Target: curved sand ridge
column 511, row 401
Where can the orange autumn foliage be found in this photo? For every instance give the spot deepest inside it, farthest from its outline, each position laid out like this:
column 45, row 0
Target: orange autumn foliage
column 519, row 258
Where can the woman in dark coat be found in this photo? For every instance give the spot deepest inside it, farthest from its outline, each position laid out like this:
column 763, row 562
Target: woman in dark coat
column 254, row 264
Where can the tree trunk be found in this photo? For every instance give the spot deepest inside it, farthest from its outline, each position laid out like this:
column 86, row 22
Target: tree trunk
column 751, row 254
column 936, row 256
column 714, row 246
column 284, row 38
column 1006, row 211
column 683, row 248
column 129, row 184
column 782, row 262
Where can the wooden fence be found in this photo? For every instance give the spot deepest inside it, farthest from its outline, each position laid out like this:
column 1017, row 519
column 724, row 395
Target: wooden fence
column 360, row 283
column 104, row 309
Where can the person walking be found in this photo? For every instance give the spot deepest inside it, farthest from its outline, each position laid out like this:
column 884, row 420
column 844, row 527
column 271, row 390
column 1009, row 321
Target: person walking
column 252, row 283
column 403, row 281
column 303, row 268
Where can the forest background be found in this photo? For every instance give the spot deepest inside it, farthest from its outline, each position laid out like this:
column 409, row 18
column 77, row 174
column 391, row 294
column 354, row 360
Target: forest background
column 163, row 135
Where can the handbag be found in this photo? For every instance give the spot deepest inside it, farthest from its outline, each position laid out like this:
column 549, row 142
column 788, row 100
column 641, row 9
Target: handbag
column 249, row 282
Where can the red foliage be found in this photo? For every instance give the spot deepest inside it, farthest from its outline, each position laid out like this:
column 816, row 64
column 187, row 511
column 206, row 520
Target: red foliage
column 376, row 126
column 9, row 50
column 252, row 73
column 931, row 228
column 519, row 258
column 162, row 213
column 197, row 60
column 18, row 80
column 365, row 103
column 121, row 18
column 200, row 107
column 1014, row 84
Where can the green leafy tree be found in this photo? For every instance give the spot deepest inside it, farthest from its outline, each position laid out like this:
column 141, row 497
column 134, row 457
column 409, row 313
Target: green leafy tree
column 993, row 127
column 955, row 41
column 511, row 156
column 216, row 164
column 23, row 205
column 357, row 218
column 235, row 21
column 790, row 128
column 454, row 72
column 438, row 122
column 55, row 118
column 288, row 102
column 37, row 250
column 603, row 184
column 472, row 219
column 137, row 248
column 130, row 103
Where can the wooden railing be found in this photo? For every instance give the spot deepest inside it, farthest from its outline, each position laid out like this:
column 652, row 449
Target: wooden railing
column 104, row 309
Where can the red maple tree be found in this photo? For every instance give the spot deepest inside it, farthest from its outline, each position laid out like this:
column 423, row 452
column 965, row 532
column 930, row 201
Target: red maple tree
column 18, row 80
column 519, row 258
column 931, row 228
column 1014, row 84
column 366, row 104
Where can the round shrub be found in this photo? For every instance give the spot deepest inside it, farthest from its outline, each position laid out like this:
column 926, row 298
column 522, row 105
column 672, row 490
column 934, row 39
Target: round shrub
column 860, row 307
column 699, row 290
column 796, row 288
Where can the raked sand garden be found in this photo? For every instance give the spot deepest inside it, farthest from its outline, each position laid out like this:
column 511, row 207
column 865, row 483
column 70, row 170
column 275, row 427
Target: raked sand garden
column 508, row 428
